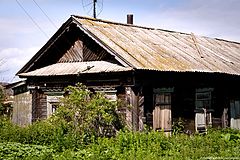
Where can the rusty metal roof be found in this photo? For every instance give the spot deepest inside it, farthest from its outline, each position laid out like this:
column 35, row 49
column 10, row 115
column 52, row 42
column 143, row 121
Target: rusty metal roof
column 156, row 49
column 76, row 68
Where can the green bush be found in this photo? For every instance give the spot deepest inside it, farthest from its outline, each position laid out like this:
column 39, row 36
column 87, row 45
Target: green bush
column 40, row 133
column 87, row 114
column 8, row 131
column 12, row 150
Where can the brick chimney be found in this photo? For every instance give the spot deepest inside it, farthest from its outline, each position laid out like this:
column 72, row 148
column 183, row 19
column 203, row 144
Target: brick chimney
column 130, row 19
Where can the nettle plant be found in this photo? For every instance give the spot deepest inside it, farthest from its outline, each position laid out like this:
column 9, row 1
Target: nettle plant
column 87, row 113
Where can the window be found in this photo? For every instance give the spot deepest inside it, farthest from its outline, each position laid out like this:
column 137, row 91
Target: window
column 204, row 98
column 203, row 103
column 235, row 114
column 235, row 109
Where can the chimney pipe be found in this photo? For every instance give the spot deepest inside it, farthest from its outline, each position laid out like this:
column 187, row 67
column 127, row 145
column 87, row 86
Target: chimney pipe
column 130, row 19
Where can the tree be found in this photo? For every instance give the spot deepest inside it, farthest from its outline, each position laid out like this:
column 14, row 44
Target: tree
column 2, row 97
column 1, row 63
column 87, row 113
column 6, row 107
column 1, row 70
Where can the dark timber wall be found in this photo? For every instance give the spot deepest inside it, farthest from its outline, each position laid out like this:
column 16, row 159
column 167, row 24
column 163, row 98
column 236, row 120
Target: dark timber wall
column 39, row 105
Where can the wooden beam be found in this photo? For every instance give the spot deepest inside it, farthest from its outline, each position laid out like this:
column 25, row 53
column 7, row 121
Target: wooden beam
column 135, row 109
column 197, row 46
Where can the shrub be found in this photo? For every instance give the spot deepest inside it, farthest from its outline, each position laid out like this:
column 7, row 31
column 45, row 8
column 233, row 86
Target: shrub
column 87, row 114
column 40, row 133
column 12, row 150
column 8, row 131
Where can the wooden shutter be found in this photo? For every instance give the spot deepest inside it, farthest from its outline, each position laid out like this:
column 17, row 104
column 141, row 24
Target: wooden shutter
column 235, row 114
column 162, row 117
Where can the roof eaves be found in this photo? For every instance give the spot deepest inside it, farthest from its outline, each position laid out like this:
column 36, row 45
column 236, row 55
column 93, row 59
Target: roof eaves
column 16, row 84
column 188, row 71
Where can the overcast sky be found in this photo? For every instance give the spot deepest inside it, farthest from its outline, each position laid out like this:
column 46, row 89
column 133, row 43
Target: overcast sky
column 21, row 36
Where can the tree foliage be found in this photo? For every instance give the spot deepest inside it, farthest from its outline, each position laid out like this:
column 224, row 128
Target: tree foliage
column 5, row 108
column 2, row 96
column 87, row 113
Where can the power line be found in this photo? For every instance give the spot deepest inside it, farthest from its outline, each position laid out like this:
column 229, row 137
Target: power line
column 36, row 23
column 57, row 48
column 31, row 18
column 67, row 41
column 50, row 21
column 45, row 14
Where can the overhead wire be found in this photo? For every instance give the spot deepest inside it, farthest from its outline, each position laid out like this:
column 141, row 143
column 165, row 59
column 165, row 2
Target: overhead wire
column 45, row 14
column 68, row 42
column 29, row 16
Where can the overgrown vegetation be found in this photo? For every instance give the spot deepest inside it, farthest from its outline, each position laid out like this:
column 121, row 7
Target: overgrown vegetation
column 77, row 131
column 11, row 150
column 86, row 113
column 5, row 108
column 2, row 96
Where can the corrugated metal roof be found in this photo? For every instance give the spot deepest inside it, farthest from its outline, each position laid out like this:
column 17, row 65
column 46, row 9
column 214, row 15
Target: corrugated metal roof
column 155, row 49
column 76, row 68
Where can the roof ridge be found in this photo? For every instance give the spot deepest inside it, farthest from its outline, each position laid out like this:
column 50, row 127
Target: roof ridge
column 150, row 28
column 124, row 24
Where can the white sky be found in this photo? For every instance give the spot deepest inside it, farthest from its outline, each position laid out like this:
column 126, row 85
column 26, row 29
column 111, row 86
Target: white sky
column 21, row 38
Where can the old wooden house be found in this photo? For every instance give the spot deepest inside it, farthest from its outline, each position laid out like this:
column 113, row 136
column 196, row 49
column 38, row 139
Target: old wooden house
column 163, row 75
